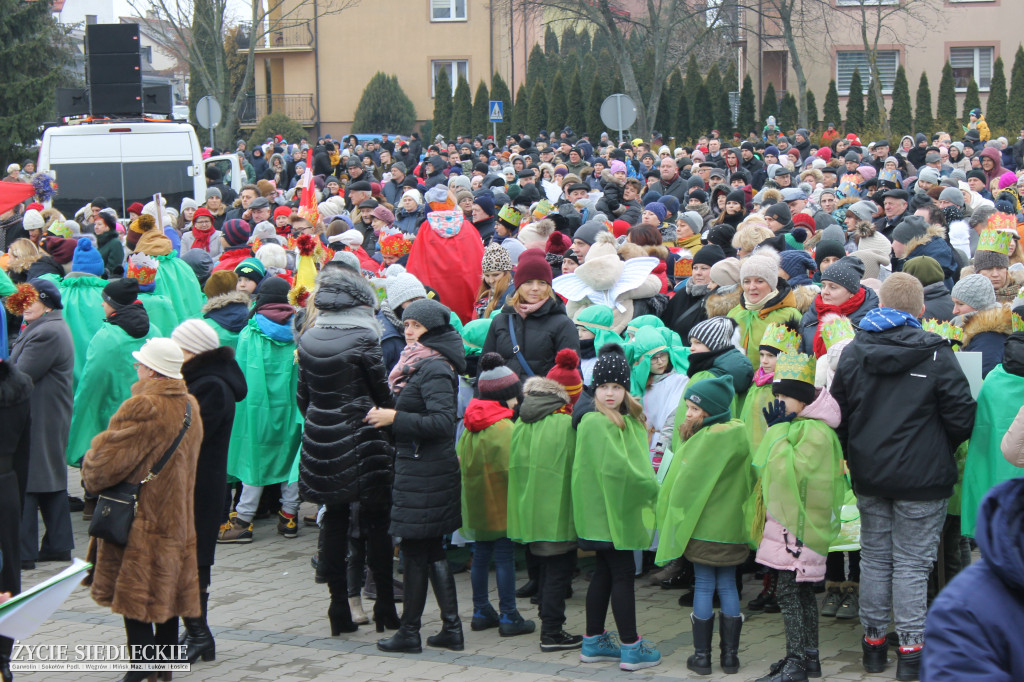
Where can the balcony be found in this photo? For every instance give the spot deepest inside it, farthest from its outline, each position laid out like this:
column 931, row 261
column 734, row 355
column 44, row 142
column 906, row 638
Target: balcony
column 283, row 36
column 296, row 107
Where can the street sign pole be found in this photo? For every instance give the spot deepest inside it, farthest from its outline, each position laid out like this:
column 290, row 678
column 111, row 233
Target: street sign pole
column 209, row 116
column 496, row 115
column 618, row 106
column 494, row 132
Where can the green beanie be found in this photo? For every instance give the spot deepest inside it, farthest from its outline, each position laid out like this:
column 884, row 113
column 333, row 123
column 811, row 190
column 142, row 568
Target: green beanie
column 714, row 396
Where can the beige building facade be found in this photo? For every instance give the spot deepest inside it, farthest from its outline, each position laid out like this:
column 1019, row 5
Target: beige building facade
column 314, row 69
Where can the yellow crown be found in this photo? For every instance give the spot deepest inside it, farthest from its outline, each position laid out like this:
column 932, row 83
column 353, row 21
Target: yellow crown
column 781, row 338
column 795, row 367
column 542, row 209
column 510, row 215
column 836, row 330
column 946, row 330
column 996, row 240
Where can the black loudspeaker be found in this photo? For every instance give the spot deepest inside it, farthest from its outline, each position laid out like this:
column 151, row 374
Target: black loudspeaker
column 157, row 99
column 111, row 38
column 72, row 102
column 116, row 100
column 109, row 69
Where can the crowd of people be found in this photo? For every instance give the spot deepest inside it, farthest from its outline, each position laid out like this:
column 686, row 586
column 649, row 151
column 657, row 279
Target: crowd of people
column 631, row 360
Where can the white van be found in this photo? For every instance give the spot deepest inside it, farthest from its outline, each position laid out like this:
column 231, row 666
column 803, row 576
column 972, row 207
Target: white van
column 128, row 162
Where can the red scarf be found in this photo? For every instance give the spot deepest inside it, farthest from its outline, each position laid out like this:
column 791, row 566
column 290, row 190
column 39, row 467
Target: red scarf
column 844, row 309
column 201, row 238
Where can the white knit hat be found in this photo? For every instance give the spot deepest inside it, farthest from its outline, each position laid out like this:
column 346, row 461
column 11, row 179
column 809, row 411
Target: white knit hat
column 163, row 356
column 195, row 336
column 764, row 264
column 33, row 220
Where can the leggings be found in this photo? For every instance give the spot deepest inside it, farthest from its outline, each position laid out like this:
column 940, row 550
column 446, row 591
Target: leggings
column 835, row 567
column 372, row 549
column 710, row 579
column 799, row 613
column 612, row 582
column 139, row 633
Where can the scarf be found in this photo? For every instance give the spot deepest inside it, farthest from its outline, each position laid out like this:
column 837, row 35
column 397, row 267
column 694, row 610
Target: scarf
column 762, row 377
column 883, row 319
column 587, row 350
column 703, row 362
column 525, row 309
column 202, row 238
column 845, row 309
column 412, row 358
column 762, row 303
column 698, row 290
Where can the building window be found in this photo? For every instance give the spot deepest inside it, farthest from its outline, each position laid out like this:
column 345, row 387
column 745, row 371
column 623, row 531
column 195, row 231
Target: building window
column 846, row 62
column 858, row 3
column 971, row 62
column 91, row 19
column 147, row 53
column 456, row 68
column 447, row 10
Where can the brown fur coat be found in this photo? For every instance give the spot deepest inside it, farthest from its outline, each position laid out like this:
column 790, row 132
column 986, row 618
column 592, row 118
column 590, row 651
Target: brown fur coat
column 154, row 577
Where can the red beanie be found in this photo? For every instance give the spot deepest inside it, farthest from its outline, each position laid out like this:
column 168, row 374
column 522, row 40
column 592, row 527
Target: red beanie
column 282, row 211
column 558, row 243
column 825, row 154
column 804, row 220
column 620, row 228
column 532, row 265
column 566, row 372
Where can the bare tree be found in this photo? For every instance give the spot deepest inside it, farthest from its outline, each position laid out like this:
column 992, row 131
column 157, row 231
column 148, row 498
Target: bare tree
column 670, row 28
column 195, row 32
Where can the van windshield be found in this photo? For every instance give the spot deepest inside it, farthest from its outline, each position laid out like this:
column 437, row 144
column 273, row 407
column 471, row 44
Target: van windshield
column 80, row 183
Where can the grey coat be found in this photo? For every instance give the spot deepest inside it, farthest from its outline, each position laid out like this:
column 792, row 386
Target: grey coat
column 46, row 353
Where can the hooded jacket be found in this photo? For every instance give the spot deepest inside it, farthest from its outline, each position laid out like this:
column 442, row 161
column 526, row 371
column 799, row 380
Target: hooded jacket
column 985, row 332
column 227, row 314
column 540, row 335
column 934, row 245
column 906, row 406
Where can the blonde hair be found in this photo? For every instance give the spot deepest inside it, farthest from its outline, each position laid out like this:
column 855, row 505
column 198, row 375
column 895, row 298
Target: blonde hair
column 748, row 237
column 629, row 405
column 500, row 287
column 902, row 292
column 23, row 253
column 516, row 299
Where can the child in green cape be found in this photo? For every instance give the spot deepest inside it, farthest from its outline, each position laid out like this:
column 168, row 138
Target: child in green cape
column 802, row 484
column 613, row 495
column 484, row 459
column 708, row 481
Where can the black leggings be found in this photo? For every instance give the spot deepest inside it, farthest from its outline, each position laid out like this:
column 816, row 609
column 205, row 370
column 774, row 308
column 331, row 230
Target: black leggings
column 613, row 581
column 555, row 575
column 835, row 567
column 139, row 633
column 372, row 549
column 799, row 613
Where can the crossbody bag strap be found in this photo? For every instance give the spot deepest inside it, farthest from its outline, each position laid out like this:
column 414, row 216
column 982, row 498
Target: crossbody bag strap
column 515, row 348
column 174, row 446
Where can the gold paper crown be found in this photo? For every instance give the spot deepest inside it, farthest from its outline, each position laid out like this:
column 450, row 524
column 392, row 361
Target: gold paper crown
column 1016, row 323
column 143, row 268
column 781, row 338
column 996, row 240
column 836, row 330
column 1002, row 221
column 542, row 209
column 946, row 330
column 510, row 215
column 795, row 367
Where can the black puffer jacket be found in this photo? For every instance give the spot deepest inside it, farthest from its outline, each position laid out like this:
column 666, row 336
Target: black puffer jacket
column 427, row 495
column 541, row 335
column 341, row 376
column 217, row 383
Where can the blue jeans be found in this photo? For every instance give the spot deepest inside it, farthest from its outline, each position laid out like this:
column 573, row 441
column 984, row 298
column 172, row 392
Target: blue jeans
column 504, row 574
column 708, row 580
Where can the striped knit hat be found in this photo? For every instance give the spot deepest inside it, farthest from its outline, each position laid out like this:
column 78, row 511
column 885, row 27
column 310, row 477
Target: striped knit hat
column 496, row 380
column 715, row 333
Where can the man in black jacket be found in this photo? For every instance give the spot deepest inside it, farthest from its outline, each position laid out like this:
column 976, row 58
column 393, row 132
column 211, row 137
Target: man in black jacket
column 906, row 406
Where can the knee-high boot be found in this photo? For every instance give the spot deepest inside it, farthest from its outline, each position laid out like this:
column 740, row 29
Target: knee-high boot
column 443, row 582
column 414, row 585
column 338, row 612
column 198, row 637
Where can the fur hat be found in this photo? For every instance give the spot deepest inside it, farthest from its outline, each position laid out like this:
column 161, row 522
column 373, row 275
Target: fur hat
column 763, row 264
column 538, row 231
column 220, row 282
column 496, row 380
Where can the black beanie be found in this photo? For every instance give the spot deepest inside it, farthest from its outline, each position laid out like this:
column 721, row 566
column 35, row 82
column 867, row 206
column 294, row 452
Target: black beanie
column 698, row 194
column 709, row 255
column 780, row 212
column 828, row 248
column 800, row 390
column 270, row 290
column 121, row 292
column 737, row 195
column 611, row 367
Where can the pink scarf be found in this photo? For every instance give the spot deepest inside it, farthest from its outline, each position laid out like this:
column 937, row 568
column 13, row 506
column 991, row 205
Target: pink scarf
column 762, row 377
column 413, row 356
column 525, row 309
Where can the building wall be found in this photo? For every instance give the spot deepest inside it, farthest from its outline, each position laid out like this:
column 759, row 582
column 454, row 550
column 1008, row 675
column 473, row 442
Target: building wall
column 76, row 11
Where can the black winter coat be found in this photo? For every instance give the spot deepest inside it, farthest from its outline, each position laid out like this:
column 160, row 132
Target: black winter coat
column 938, row 304
column 216, row 382
column 541, row 335
column 427, row 494
column 341, row 377
column 906, row 406
column 15, row 391
column 683, row 312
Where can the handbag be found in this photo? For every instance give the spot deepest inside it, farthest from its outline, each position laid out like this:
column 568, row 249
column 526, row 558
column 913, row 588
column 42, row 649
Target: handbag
column 515, row 349
column 116, row 505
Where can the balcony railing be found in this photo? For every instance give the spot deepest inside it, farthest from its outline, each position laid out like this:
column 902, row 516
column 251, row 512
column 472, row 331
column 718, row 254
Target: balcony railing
column 281, row 36
column 296, row 107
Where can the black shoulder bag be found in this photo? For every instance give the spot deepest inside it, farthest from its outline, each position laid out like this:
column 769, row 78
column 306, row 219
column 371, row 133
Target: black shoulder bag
column 116, row 506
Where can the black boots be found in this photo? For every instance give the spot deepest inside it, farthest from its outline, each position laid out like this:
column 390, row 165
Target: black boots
column 874, row 656
column 339, row 613
column 703, row 629
column 443, row 582
column 407, row 639
column 908, row 665
column 787, row 670
column 198, row 637
column 812, row 664
column 729, row 628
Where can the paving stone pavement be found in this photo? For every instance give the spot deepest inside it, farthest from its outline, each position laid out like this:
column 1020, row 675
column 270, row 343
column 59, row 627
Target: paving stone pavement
column 270, row 622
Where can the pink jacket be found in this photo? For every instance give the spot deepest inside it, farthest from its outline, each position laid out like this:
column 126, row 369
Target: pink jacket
column 777, row 548
column 1013, row 441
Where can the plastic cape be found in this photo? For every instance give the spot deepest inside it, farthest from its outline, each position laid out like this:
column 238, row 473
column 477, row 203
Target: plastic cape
column 848, row 539
column 648, row 342
column 999, row 400
column 106, row 382
column 640, row 322
column 266, row 433
column 752, row 324
column 681, row 409
column 614, row 491
column 708, row 481
column 598, row 319
column 756, row 399
column 160, row 310
column 451, row 266
column 225, row 336
column 176, row 281
column 82, row 298
column 955, row 504
column 540, row 480
column 483, row 459
column 801, row 466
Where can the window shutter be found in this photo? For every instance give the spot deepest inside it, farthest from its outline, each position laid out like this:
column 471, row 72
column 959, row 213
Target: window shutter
column 888, row 62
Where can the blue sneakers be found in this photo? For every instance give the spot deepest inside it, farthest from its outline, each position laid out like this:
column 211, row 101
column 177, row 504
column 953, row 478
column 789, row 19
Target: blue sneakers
column 638, row 655
column 603, row 647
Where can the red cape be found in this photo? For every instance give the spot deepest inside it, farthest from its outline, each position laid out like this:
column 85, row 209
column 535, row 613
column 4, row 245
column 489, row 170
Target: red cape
column 13, row 193
column 451, row 266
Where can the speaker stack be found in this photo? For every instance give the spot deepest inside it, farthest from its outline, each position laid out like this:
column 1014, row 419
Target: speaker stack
column 114, row 69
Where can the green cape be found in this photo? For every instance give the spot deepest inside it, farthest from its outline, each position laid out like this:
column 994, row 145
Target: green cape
column 681, row 409
column 82, row 298
column 650, row 341
column 752, row 327
column 802, row 480
column 540, row 480
column 106, row 382
column 999, row 400
column 226, row 336
column 176, row 281
column 160, row 311
column 757, row 398
column 483, row 458
column 708, row 481
column 614, row 490
column 265, row 436
column 598, row 319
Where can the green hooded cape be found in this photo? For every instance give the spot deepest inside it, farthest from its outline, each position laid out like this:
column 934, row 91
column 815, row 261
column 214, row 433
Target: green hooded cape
column 650, row 341
column 614, row 490
column 999, row 400
column 82, row 298
column 106, row 382
column 598, row 319
column 225, row 336
column 757, row 398
column 483, row 458
column 708, row 481
column 265, row 437
column 540, row 480
column 176, row 281
column 161, row 312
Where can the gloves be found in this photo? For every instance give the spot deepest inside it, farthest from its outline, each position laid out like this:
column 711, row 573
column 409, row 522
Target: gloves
column 776, row 413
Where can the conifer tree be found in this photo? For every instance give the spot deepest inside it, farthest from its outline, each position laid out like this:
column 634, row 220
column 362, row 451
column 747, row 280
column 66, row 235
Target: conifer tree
column 872, row 115
column 1015, row 107
column 789, row 113
column 682, row 118
column 769, row 104
column 713, row 86
column 671, row 95
column 550, row 42
column 748, row 108
column 442, row 103
column 594, row 99
column 481, row 110
column 383, row 107
column 520, row 111
column 972, row 100
column 901, row 118
column 812, row 112
column 945, row 113
column 702, row 116
column 557, row 110
column 576, row 107
column 462, row 110
column 855, row 104
column 831, row 111
column 537, row 67
column 537, row 116
column 923, row 121
column 995, row 114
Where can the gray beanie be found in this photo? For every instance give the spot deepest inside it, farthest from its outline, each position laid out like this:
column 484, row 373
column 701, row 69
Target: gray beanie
column 846, row 272
column 693, row 219
column 953, row 196
column 913, row 226
column 764, row 264
column 865, row 210
column 430, row 314
column 714, row 332
column 212, row 192
column 587, row 232
column 929, row 175
column 976, row 291
column 402, row 288
column 346, row 258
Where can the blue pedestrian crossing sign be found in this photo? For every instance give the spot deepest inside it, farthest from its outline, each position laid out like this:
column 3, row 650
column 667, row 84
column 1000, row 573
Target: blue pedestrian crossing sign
column 497, row 109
